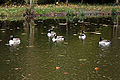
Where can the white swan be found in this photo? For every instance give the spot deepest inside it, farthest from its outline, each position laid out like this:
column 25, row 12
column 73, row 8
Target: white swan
column 14, row 41
column 82, row 35
column 104, row 42
column 57, row 38
column 51, row 33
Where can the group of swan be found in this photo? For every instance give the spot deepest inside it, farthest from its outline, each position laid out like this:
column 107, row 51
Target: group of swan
column 82, row 36
column 16, row 41
column 54, row 37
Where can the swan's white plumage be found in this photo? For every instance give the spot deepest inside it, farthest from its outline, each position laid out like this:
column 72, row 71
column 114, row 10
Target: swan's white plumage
column 14, row 41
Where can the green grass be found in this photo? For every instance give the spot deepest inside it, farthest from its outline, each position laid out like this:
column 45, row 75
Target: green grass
column 12, row 11
column 46, row 10
column 18, row 11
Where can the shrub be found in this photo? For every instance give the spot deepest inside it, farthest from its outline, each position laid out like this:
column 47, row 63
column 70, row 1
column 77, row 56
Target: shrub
column 114, row 11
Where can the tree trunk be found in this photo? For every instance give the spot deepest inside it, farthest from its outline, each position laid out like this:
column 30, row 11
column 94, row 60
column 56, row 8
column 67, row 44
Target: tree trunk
column 30, row 3
column 117, row 1
column 67, row 2
column 81, row 1
column 58, row 1
column 31, row 34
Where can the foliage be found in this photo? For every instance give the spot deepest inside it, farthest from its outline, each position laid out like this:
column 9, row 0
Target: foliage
column 13, row 10
column 70, row 13
column 70, row 16
column 45, row 1
column 113, row 11
column 81, row 15
column 113, row 14
column 27, row 1
column 35, row 1
column 10, row 2
column 53, row 1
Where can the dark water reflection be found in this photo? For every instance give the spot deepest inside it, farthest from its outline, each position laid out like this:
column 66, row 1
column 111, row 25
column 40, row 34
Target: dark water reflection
column 36, row 58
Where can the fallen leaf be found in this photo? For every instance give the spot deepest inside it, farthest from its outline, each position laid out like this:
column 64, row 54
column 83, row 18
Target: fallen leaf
column 18, row 27
column 57, row 68
column 74, row 34
column 66, row 73
column 96, row 68
column 17, row 68
column 29, row 74
column 11, row 29
column 2, row 29
column 65, row 43
column 6, row 44
column 46, row 52
column 82, row 59
column 23, row 34
column 30, row 46
column 51, row 61
column 118, row 37
column 75, row 23
column 61, row 55
column 62, row 23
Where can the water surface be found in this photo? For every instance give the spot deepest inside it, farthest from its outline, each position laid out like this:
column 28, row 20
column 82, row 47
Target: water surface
column 37, row 57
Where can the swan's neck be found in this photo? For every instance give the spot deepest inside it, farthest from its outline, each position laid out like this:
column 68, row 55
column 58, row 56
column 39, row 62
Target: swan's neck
column 100, row 38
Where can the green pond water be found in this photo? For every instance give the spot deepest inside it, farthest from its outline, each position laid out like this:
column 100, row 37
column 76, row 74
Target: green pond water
column 38, row 58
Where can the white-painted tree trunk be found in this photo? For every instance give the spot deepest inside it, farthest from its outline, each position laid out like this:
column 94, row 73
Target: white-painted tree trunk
column 67, row 2
column 30, row 3
column 117, row 1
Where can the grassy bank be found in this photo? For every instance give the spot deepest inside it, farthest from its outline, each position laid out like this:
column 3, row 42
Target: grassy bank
column 18, row 11
column 12, row 11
